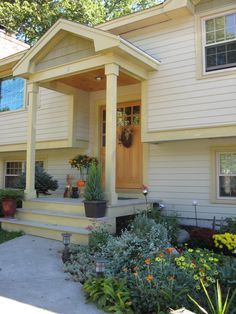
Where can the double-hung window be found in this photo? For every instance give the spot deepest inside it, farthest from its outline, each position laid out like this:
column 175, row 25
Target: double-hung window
column 11, row 93
column 13, row 170
column 226, row 165
column 220, row 42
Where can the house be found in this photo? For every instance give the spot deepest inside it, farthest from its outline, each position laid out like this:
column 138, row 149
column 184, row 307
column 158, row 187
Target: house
column 168, row 71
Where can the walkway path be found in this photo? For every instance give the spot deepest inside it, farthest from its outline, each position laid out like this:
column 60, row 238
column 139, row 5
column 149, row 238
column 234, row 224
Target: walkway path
column 31, row 272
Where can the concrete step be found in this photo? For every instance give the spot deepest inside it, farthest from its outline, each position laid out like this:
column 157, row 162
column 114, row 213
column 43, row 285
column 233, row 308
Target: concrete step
column 49, row 231
column 64, row 219
column 65, row 206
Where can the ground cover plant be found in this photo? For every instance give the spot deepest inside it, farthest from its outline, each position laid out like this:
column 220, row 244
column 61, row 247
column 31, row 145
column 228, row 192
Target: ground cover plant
column 146, row 273
column 6, row 236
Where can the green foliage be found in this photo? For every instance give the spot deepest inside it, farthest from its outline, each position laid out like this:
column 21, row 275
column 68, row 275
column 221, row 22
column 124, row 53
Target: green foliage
column 12, row 193
column 6, row 236
column 201, row 264
column 111, row 294
column 93, row 187
column 127, row 250
column 158, row 285
column 43, row 181
column 31, row 19
column 230, row 226
column 98, row 238
column 81, row 264
column 170, row 222
column 216, row 305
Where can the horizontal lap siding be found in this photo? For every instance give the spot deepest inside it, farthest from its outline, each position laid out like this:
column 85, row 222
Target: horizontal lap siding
column 180, row 172
column 52, row 120
column 13, row 127
column 52, row 116
column 82, row 116
column 176, row 99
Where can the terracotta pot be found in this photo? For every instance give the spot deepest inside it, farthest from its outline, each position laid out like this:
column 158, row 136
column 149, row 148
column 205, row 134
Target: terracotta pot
column 9, row 207
column 95, row 209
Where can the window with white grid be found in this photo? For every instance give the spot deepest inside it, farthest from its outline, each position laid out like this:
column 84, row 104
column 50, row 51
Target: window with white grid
column 226, row 175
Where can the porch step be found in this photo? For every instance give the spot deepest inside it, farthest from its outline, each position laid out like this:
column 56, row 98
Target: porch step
column 62, row 218
column 49, row 231
column 53, row 204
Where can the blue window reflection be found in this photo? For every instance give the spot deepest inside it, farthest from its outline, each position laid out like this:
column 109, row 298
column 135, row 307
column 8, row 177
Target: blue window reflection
column 11, row 93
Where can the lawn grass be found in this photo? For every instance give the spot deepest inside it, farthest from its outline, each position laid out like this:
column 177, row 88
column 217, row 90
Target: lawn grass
column 6, row 236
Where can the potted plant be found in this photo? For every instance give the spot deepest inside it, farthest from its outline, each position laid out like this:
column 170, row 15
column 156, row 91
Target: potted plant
column 94, row 203
column 9, row 197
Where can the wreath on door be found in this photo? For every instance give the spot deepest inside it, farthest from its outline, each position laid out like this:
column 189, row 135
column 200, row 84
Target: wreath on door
column 126, row 136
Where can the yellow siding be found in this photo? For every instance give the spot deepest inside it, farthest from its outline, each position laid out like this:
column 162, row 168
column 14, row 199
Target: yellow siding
column 52, row 116
column 69, row 49
column 180, row 172
column 82, row 116
column 52, row 120
column 176, row 98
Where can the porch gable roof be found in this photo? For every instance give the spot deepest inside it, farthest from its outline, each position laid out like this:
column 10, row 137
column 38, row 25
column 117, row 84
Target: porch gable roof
column 102, row 42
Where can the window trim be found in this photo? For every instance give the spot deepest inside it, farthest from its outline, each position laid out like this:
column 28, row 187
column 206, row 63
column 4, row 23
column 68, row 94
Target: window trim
column 215, row 198
column 204, row 44
column 200, row 16
column 23, row 108
column 23, row 167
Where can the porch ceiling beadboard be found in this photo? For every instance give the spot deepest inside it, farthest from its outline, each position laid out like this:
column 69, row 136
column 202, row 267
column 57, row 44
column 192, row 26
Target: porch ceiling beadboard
column 90, row 49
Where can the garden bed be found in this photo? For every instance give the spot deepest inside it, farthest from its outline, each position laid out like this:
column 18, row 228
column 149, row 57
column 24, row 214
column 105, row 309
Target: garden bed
column 146, row 272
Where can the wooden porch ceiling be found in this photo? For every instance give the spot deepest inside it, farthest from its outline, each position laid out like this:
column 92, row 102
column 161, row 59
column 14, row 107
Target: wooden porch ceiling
column 89, row 81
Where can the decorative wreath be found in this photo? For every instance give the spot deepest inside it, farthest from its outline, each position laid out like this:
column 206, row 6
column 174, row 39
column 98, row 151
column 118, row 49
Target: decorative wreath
column 126, row 136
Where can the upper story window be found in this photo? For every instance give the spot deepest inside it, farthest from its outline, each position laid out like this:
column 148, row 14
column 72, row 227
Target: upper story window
column 11, row 93
column 227, row 175
column 220, row 42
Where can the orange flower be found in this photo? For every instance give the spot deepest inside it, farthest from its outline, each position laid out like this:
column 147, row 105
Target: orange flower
column 170, row 250
column 149, row 278
column 147, row 261
column 161, row 255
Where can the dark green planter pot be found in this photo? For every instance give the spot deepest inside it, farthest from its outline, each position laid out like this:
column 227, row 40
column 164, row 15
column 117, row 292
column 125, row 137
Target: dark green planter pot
column 95, row 209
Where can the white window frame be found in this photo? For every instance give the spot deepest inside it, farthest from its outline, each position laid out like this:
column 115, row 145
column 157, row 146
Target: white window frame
column 203, row 28
column 23, row 162
column 218, row 175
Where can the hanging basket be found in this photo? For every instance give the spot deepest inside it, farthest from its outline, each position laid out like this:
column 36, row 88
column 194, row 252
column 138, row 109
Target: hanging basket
column 126, row 137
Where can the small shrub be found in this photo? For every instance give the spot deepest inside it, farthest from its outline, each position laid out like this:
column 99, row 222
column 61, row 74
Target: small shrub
column 98, row 238
column 170, row 222
column 230, row 226
column 93, row 187
column 81, row 264
column 12, row 193
column 43, row 181
column 110, row 294
column 202, row 238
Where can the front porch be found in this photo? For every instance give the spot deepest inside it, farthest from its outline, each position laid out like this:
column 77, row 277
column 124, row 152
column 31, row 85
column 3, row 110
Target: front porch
column 82, row 62
column 76, row 60
column 48, row 217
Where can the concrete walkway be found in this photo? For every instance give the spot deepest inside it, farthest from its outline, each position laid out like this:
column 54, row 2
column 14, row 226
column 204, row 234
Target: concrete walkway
column 32, row 279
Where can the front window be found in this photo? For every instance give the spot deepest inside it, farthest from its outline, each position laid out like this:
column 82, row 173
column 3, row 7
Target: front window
column 14, row 169
column 11, row 93
column 220, row 42
column 227, row 175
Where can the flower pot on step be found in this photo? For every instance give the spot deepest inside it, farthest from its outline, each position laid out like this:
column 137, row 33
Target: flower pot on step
column 9, row 207
column 95, row 209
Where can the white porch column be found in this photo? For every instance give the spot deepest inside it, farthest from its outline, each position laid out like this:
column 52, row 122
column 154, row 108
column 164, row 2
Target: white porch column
column 31, row 139
column 111, row 72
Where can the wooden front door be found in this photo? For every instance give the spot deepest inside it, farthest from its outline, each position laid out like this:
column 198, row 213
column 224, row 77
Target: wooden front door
column 128, row 145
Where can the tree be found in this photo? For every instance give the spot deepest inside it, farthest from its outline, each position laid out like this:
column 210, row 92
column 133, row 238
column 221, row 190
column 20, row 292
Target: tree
column 31, row 19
